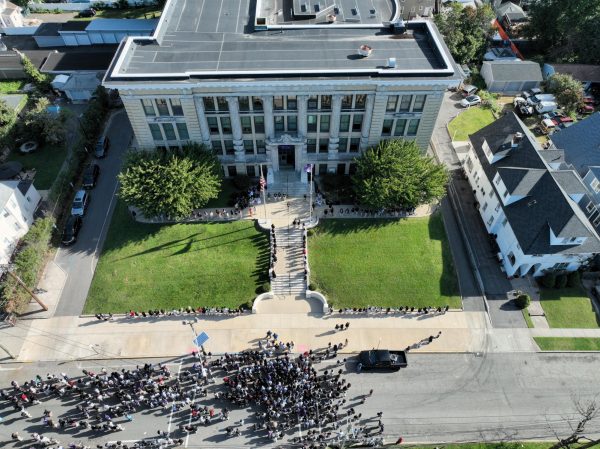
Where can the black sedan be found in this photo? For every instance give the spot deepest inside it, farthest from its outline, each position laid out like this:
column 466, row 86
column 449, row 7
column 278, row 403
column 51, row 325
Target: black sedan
column 90, row 176
column 382, row 359
column 72, row 227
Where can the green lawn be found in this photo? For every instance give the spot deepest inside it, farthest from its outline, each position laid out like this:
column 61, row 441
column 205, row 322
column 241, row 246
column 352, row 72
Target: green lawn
column 469, row 122
column 568, row 344
column 146, row 266
column 47, row 161
column 147, row 12
column 568, row 307
column 386, row 263
column 527, row 318
column 11, row 86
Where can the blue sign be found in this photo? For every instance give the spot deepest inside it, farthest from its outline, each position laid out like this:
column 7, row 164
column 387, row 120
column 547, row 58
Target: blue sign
column 201, row 339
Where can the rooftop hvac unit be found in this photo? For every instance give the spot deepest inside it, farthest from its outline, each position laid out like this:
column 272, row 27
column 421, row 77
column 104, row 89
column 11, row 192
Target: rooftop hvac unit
column 365, row 50
column 391, row 63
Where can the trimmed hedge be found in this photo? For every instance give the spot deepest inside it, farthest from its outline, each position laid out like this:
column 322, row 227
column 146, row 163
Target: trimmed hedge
column 28, row 261
column 522, row 301
column 265, row 287
column 549, row 280
column 561, row 281
column 574, row 279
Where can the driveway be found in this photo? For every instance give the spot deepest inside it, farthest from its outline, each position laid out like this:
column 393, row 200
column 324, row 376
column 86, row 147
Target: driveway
column 79, row 261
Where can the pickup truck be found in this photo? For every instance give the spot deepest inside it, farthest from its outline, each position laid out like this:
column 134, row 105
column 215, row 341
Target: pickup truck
column 382, row 359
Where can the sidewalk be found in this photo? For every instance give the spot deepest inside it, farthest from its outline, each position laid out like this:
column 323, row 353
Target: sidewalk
column 74, row 338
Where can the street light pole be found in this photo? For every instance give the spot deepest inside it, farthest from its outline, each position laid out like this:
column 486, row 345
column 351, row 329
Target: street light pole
column 22, row 284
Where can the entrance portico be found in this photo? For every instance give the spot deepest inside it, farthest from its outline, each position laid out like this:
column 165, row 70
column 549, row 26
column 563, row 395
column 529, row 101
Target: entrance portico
column 286, row 152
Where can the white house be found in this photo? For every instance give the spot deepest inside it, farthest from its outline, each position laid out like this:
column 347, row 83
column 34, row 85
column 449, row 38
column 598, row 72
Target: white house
column 531, row 211
column 18, row 202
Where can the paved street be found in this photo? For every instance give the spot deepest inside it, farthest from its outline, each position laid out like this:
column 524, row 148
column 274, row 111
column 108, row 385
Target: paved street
column 438, row 398
column 79, row 260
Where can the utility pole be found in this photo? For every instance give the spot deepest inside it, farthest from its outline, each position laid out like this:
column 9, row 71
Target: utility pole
column 22, row 284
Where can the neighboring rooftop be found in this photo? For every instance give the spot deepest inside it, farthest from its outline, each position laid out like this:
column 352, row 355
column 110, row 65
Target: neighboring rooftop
column 581, row 72
column 580, row 143
column 234, row 38
column 547, row 202
column 96, row 59
column 515, row 70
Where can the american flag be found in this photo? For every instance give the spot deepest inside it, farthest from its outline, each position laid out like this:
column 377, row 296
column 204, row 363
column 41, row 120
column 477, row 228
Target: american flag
column 262, row 183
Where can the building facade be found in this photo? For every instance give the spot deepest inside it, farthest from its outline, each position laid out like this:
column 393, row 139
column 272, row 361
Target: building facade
column 269, row 95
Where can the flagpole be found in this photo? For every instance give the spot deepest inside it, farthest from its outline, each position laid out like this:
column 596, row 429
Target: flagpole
column 262, row 189
column 310, row 202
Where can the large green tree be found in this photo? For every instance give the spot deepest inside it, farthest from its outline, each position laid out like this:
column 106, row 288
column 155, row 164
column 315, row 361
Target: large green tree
column 41, row 125
column 466, row 31
column 170, row 182
column 566, row 30
column 396, row 174
column 568, row 91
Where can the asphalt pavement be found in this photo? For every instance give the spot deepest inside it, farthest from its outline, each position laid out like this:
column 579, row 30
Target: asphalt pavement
column 79, row 260
column 438, row 398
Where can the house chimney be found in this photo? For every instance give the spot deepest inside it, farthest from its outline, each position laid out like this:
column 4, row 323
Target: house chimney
column 517, row 137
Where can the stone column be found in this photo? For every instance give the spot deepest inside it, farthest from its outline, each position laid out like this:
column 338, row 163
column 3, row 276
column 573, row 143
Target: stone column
column 204, row 129
column 334, row 126
column 302, row 131
column 267, row 102
column 236, row 128
column 366, row 124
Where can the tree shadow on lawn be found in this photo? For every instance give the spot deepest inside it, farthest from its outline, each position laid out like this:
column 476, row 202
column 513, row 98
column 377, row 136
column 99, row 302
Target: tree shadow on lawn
column 448, row 279
column 343, row 226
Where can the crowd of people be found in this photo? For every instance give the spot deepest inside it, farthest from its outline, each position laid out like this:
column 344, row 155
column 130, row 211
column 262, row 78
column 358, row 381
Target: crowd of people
column 182, row 312
column 402, row 310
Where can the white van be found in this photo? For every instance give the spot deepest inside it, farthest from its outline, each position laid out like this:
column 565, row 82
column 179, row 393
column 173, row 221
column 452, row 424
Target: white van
column 545, row 106
column 540, row 97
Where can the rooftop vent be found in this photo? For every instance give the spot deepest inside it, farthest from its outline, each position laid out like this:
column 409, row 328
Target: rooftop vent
column 331, row 18
column 391, row 63
column 517, row 137
column 365, row 51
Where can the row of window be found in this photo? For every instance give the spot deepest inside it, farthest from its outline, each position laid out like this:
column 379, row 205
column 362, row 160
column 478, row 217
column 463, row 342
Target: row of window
column 166, row 131
column 403, row 103
column 400, row 127
column 321, row 169
column 162, row 107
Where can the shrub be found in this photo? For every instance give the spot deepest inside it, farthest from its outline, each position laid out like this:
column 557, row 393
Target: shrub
column 522, row 301
column 241, row 182
column 312, row 287
column 561, row 281
column 265, row 287
column 549, row 280
column 310, row 232
column 574, row 279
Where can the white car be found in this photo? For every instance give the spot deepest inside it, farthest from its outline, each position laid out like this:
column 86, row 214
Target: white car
column 471, row 100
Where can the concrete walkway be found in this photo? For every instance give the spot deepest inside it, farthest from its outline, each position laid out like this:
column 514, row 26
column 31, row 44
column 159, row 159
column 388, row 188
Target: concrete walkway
column 536, row 312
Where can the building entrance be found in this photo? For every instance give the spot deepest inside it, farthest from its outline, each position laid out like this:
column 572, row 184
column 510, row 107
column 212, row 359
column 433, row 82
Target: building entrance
column 286, row 155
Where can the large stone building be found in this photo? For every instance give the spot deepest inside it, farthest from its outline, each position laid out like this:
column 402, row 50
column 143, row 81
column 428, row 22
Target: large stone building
column 281, row 83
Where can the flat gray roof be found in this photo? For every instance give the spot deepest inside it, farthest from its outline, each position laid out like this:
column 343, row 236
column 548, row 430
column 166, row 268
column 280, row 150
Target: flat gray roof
column 255, row 38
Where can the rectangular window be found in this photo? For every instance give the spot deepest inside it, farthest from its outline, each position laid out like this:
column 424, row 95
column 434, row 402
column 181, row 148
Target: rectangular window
column 217, row 147
column 504, row 221
column 213, row 125
column 182, row 131
column 400, row 126
column 311, row 123
column 148, row 108
column 222, row 104
column 387, row 127
column 176, row 107
column 343, row 145
column 260, row 147
column 324, row 123
column 352, row 169
column 251, row 171
column 278, row 102
column 469, row 165
column 413, row 127
column 347, row 102
column 249, row 146
column 257, row 104
column 162, row 107
column 497, row 208
column 279, row 123
column 419, row 103
column 360, row 102
column 244, row 104
column 323, row 146
column 326, row 102
column 344, row 123
column 490, row 221
column 292, row 102
column 590, row 207
column 357, row 122
column 226, row 125
column 232, row 170
column 246, row 125
column 354, row 145
column 313, row 102
column 259, row 124
column 505, row 193
column 229, row 147
column 311, row 145
column 292, row 122
column 209, row 104
column 595, row 185
column 485, row 205
column 322, row 169
column 405, row 103
column 155, row 130
column 497, row 181
column 169, row 131
column 392, row 102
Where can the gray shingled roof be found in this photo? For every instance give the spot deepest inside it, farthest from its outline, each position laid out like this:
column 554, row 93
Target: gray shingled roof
column 570, row 182
column 546, row 206
column 515, row 70
column 581, row 143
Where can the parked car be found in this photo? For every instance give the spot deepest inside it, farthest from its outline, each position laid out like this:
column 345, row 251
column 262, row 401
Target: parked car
column 80, row 203
column 524, row 110
column 71, row 230
column 90, row 176
column 382, row 359
column 545, row 106
column 547, row 126
column 471, row 100
column 530, row 93
column 89, row 12
column 536, row 99
column 102, row 147
column 468, row 90
column 586, row 108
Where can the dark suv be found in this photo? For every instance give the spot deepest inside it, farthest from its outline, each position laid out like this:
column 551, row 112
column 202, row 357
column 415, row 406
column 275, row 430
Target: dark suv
column 90, row 176
column 102, row 147
column 72, row 227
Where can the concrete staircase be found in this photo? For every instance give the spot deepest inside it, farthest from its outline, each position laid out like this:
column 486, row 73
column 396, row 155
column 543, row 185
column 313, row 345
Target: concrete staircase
column 289, row 267
column 288, row 182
